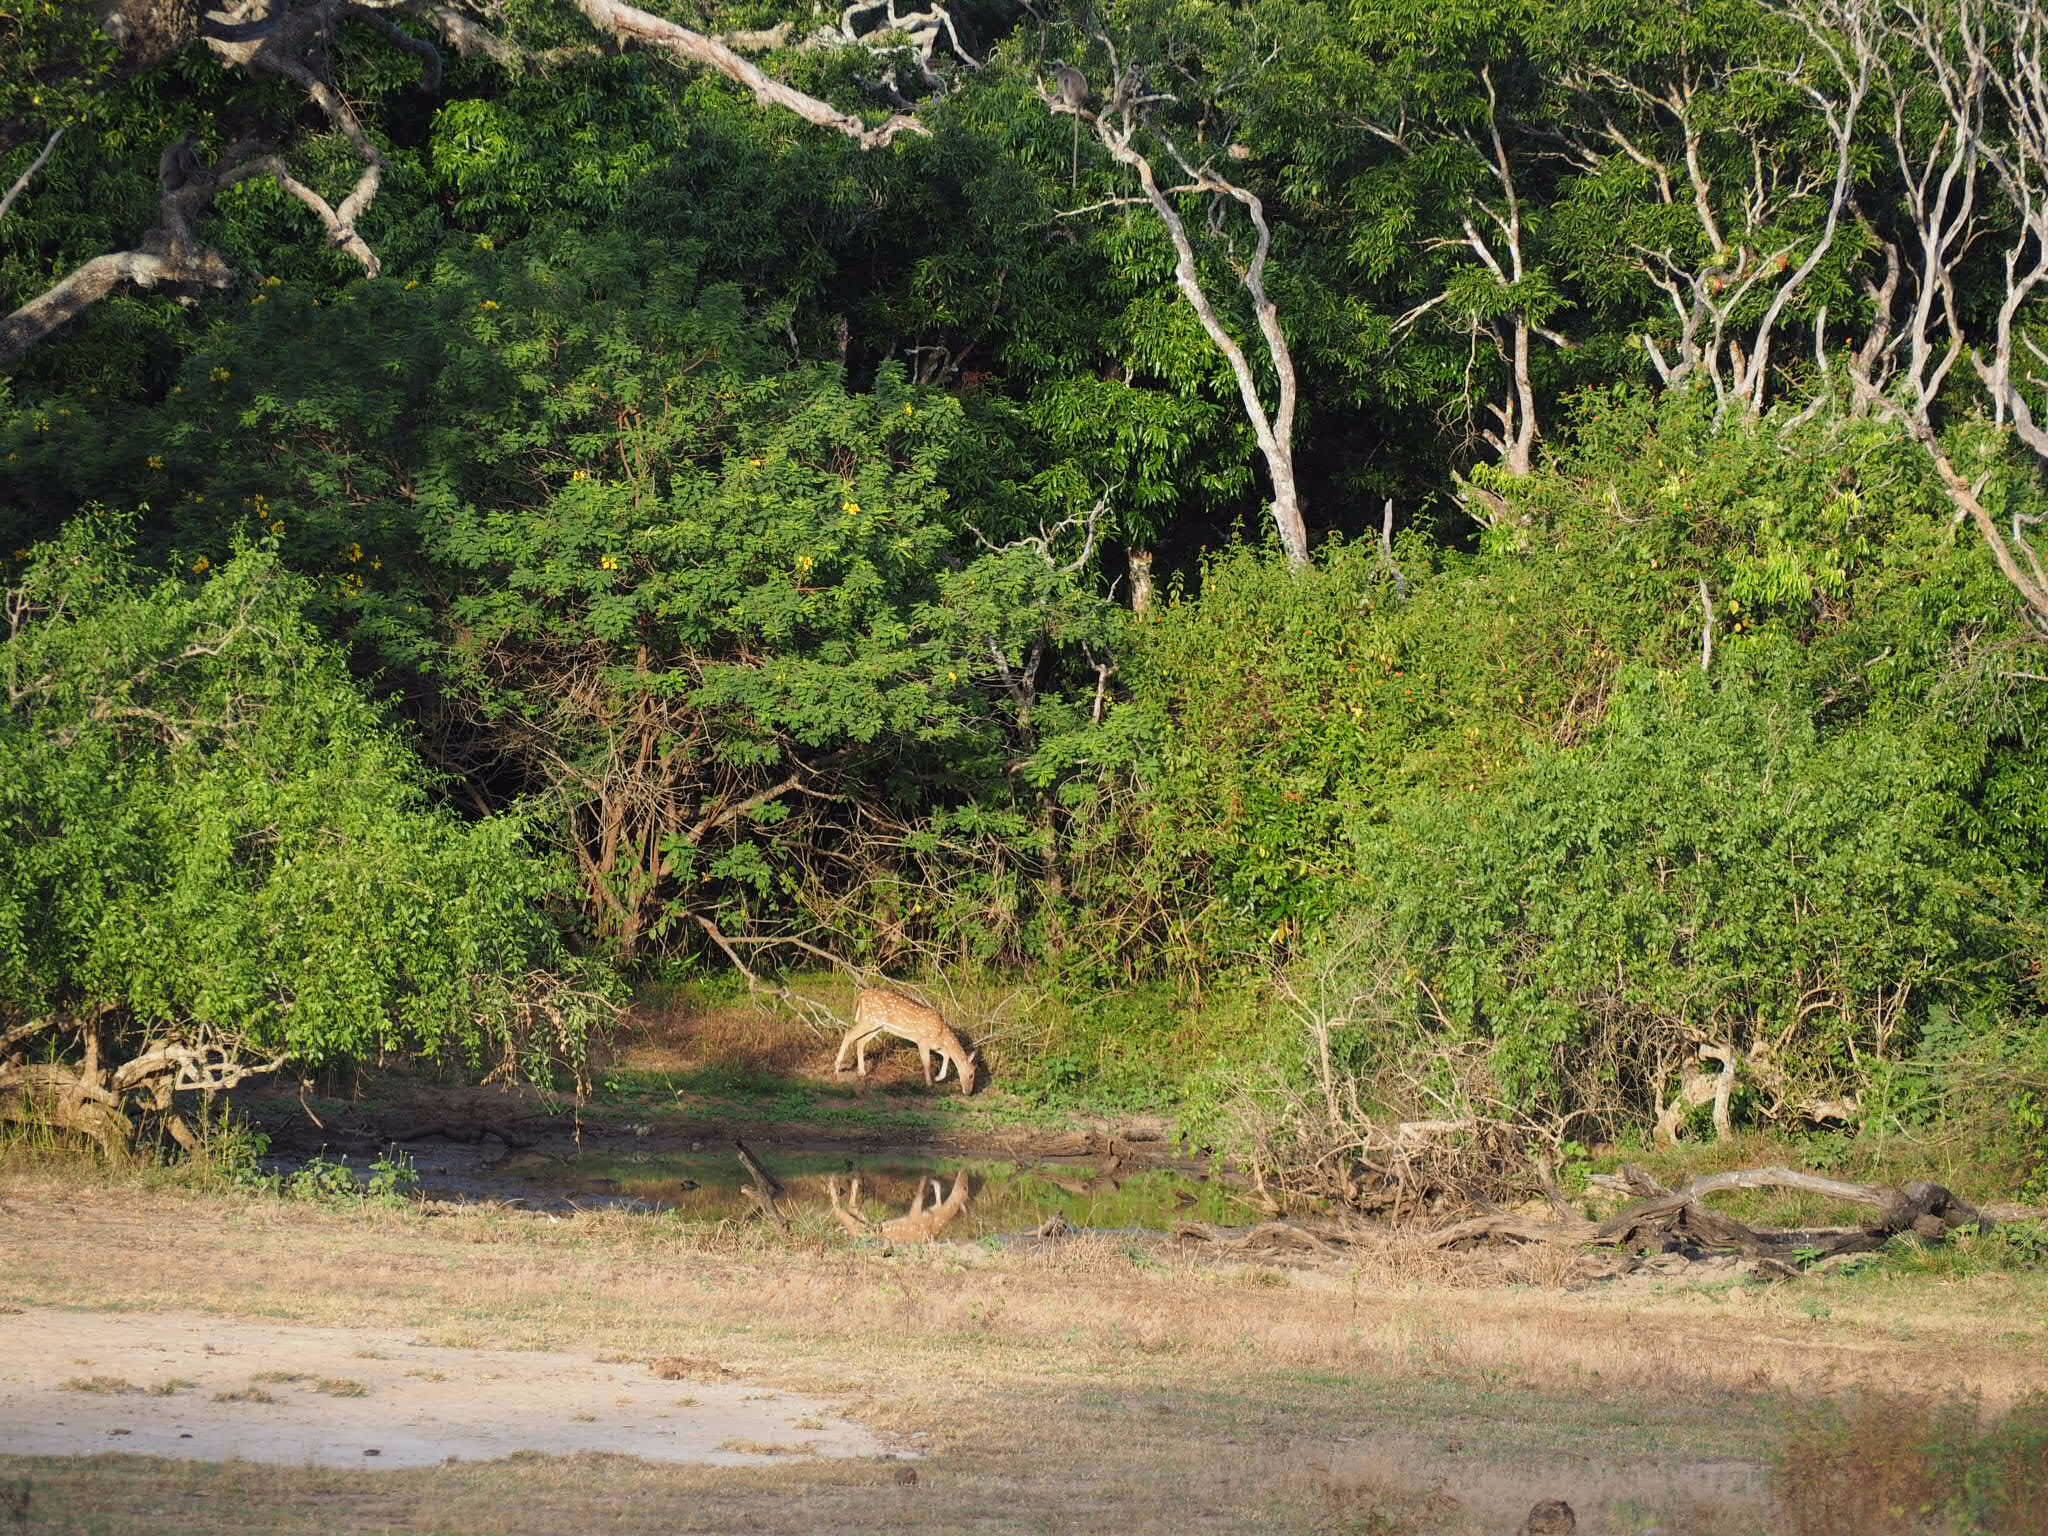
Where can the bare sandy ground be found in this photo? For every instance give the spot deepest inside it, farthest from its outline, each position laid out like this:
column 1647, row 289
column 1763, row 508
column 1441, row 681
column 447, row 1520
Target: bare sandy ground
column 205, row 1388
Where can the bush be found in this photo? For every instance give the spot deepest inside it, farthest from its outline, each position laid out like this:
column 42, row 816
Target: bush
column 1509, row 805
column 219, row 855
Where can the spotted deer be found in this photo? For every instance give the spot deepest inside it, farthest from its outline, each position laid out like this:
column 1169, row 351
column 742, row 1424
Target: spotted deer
column 879, row 1012
column 922, row 1224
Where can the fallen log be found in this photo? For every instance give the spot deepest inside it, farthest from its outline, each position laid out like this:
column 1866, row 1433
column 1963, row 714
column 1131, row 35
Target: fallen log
column 1662, row 1220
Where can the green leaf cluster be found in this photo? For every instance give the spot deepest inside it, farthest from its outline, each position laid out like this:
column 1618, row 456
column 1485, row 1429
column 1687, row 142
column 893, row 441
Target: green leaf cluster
column 214, row 836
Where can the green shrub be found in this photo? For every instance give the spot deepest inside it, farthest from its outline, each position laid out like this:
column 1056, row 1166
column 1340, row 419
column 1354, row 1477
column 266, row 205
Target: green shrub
column 1546, row 845
column 218, row 853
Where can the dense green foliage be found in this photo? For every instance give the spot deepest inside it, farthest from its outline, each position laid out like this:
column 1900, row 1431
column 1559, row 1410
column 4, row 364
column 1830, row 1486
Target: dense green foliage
column 1514, row 808
column 213, row 836
column 742, row 527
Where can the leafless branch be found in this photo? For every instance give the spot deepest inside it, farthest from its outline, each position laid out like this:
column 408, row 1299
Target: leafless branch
column 292, row 40
column 1117, row 127
column 629, row 23
column 1978, row 71
column 21, row 182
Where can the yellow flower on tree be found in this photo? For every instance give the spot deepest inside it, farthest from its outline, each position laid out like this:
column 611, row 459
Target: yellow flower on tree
column 608, row 563
column 201, row 566
column 155, row 461
column 852, row 507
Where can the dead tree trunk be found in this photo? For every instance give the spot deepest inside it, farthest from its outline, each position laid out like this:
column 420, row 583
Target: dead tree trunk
column 1117, row 126
column 103, row 1095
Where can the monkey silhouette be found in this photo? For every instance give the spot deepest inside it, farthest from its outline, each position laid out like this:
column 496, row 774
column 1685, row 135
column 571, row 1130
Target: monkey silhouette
column 1072, row 87
column 1071, row 84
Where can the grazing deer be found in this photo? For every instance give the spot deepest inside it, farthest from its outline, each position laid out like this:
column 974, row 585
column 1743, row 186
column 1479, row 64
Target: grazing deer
column 880, row 1012
column 921, row 1225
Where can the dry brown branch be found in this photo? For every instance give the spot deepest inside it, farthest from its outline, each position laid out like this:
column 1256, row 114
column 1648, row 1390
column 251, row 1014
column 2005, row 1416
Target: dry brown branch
column 821, row 1016
column 21, row 182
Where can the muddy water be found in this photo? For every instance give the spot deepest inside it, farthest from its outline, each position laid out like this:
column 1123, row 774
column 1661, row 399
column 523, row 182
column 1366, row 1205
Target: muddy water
column 998, row 1197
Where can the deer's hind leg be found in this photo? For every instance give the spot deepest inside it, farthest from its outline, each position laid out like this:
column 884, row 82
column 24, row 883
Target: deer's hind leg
column 849, row 1215
column 856, row 1040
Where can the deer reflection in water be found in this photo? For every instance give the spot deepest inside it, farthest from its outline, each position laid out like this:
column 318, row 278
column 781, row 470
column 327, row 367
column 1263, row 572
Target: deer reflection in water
column 923, row 1223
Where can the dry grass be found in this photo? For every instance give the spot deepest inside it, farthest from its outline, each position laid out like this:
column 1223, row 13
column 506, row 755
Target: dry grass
column 101, row 1386
column 1084, row 1385
column 1886, row 1465
column 678, row 1033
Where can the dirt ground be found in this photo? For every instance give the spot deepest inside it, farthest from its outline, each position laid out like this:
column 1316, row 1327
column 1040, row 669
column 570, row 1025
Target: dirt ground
column 204, row 1388
column 1090, row 1385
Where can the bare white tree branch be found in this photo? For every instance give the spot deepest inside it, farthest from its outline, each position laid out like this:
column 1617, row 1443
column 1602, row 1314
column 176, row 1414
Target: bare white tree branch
column 21, row 182
column 1977, row 70
column 630, row 23
column 1117, row 127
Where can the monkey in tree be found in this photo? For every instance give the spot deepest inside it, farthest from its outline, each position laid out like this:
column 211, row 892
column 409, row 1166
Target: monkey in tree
column 182, row 165
column 1071, row 87
column 1070, row 83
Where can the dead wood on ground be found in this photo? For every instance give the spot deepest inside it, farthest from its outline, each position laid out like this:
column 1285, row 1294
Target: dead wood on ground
column 1662, row 1230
